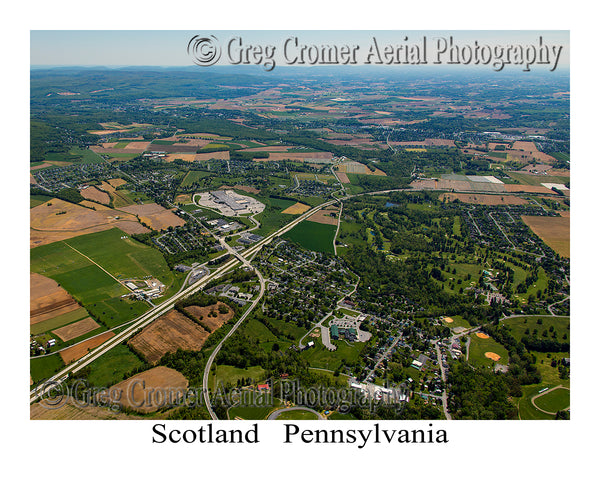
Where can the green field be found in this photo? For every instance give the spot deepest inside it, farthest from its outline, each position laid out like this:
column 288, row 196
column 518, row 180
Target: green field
column 35, row 200
column 481, row 345
column 297, row 415
column 59, row 321
column 88, row 283
column 112, row 366
column 526, row 179
column 313, row 236
column 555, row 400
column 44, row 367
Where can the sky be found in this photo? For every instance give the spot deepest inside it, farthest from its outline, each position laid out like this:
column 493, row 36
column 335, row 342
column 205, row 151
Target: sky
column 169, row 47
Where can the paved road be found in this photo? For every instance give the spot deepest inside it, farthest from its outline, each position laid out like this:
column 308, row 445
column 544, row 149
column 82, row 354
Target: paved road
column 443, row 373
column 276, row 413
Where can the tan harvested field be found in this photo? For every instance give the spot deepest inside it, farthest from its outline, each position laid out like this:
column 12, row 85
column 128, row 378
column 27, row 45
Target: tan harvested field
column 32, row 180
column 150, row 390
column 212, row 323
column 92, row 193
column 525, row 146
column 186, row 157
column 325, row 216
column 356, row 167
column 201, row 157
column 47, row 299
column 47, row 225
column 272, row 148
column 168, row 333
column 554, row 231
column 79, row 350
column 296, row 209
column 116, row 182
column 342, row 177
column 493, row 356
column 43, row 165
column 74, row 330
column 482, row 199
column 159, row 218
column 76, row 411
column 137, row 146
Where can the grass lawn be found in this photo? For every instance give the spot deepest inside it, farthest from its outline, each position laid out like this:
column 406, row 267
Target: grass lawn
column 229, row 375
column 519, row 325
column 255, row 412
column 341, row 416
column 555, row 400
column 297, row 415
column 527, row 410
column 110, row 367
column 318, row 356
column 313, row 236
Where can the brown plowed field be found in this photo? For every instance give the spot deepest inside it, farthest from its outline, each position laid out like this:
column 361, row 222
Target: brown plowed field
column 157, row 217
column 77, row 329
column 482, row 199
column 527, row 188
column 77, row 351
column 47, row 299
column 168, row 333
column 324, row 216
column 213, row 323
column 342, row 177
column 150, row 390
column 92, row 193
column 554, row 231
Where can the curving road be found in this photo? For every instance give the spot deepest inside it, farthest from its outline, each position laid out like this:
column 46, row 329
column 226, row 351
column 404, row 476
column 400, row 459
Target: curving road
column 276, row 413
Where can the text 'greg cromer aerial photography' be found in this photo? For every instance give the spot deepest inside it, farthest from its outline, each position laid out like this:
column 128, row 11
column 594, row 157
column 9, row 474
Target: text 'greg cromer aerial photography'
column 305, row 225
